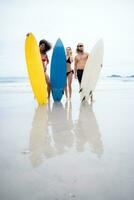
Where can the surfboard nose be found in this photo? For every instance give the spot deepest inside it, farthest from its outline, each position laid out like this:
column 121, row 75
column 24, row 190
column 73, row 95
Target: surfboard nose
column 59, row 43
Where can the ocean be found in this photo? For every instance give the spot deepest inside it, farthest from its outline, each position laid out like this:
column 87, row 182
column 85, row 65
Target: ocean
column 112, row 82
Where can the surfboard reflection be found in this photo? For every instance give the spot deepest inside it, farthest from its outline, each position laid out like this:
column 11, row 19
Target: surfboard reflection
column 61, row 127
column 54, row 133
column 87, row 131
column 40, row 140
column 50, row 134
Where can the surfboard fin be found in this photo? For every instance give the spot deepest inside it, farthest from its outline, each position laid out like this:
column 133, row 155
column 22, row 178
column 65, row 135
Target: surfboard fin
column 90, row 93
column 83, row 99
column 80, row 90
column 101, row 65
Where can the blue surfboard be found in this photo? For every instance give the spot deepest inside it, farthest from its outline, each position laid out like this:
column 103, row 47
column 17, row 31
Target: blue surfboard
column 58, row 71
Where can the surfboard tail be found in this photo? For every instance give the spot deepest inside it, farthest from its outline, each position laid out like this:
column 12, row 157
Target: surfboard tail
column 57, row 94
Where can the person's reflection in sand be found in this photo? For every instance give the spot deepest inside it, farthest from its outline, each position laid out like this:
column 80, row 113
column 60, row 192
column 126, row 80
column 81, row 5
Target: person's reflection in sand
column 87, row 130
column 61, row 128
column 40, row 140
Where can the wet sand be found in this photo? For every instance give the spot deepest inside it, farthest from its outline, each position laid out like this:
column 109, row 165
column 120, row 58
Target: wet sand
column 67, row 150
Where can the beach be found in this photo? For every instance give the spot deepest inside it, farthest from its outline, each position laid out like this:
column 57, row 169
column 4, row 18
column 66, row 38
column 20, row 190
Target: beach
column 67, row 150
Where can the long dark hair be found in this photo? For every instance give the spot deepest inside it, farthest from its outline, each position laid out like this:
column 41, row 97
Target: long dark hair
column 48, row 45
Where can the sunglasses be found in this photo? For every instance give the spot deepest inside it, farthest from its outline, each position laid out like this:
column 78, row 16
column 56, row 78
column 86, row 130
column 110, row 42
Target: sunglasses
column 81, row 45
column 68, row 48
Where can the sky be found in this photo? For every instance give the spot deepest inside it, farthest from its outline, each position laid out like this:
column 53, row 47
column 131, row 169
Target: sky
column 73, row 21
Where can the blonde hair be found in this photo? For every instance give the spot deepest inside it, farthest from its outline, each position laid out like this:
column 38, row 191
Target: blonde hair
column 70, row 51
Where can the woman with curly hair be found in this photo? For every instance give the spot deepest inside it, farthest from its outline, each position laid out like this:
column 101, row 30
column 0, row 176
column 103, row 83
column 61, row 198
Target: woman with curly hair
column 45, row 46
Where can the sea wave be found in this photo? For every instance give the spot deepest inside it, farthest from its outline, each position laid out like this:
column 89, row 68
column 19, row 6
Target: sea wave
column 26, row 80
column 13, row 79
column 120, row 76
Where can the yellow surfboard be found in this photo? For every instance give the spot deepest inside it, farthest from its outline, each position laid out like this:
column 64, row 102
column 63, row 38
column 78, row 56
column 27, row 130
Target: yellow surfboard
column 35, row 69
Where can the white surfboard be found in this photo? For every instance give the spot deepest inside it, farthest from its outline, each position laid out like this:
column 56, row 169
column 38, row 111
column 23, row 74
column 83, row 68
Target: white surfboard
column 92, row 71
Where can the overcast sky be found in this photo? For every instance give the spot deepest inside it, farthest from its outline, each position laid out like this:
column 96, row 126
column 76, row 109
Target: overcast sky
column 73, row 21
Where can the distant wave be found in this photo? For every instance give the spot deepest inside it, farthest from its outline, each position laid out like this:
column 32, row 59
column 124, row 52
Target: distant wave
column 13, row 79
column 119, row 76
column 21, row 80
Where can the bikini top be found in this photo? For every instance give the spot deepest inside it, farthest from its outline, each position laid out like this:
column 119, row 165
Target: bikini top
column 68, row 60
column 45, row 58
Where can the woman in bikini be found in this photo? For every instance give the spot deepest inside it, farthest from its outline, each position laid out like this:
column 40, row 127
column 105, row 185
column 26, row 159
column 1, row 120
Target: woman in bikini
column 70, row 72
column 45, row 46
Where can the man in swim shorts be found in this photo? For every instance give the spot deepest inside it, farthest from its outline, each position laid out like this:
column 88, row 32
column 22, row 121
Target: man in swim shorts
column 80, row 61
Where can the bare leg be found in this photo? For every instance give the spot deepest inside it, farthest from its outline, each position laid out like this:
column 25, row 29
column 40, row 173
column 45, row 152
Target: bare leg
column 92, row 98
column 48, row 90
column 79, row 86
column 66, row 91
column 48, row 85
column 70, row 84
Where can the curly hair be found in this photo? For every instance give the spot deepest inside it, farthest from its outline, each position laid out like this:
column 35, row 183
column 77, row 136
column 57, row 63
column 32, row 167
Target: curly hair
column 48, row 45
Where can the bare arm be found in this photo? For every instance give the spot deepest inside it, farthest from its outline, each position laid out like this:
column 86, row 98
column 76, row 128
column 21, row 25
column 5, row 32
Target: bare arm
column 75, row 67
column 45, row 63
column 71, row 59
column 44, row 66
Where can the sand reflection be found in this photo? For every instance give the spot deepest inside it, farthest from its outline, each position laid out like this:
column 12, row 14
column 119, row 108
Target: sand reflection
column 87, row 130
column 54, row 132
